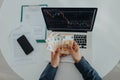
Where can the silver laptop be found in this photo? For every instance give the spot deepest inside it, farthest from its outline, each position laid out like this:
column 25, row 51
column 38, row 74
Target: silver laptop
column 76, row 21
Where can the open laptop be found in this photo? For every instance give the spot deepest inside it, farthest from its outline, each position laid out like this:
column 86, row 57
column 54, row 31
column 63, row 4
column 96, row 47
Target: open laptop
column 76, row 21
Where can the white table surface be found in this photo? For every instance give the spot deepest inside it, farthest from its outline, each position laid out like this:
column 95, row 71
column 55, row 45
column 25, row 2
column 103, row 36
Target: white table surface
column 106, row 39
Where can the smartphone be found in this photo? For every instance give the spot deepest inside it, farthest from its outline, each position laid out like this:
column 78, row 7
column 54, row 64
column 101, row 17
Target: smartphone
column 25, row 44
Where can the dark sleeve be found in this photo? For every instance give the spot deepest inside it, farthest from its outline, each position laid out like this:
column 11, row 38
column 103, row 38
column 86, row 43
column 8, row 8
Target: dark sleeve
column 87, row 71
column 49, row 73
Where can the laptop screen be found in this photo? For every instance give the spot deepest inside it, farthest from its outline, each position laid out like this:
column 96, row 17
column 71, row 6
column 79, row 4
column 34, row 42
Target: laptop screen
column 69, row 19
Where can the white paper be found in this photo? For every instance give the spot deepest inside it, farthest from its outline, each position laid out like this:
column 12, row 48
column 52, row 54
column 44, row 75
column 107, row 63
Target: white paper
column 19, row 57
column 39, row 32
column 33, row 16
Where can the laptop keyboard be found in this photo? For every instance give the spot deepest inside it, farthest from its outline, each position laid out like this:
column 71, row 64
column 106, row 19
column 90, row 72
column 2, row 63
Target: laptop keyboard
column 81, row 40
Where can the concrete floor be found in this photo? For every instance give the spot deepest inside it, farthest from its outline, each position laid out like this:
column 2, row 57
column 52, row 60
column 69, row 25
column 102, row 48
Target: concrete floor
column 114, row 74
column 1, row 1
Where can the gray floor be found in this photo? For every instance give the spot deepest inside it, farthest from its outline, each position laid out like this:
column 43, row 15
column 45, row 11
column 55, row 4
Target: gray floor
column 1, row 1
column 114, row 74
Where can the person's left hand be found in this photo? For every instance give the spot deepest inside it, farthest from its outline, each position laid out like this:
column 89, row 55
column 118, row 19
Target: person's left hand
column 55, row 57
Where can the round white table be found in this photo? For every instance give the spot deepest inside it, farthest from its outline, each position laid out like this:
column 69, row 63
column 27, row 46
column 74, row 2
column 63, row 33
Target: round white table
column 106, row 40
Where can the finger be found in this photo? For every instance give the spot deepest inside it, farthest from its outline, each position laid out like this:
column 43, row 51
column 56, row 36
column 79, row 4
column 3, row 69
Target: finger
column 56, row 47
column 70, row 42
column 57, row 51
column 57, row 55
column 75, row 43
column 76, row 48
column 73, row 46
column 52, row 55
column 70, row 45
column 60, row 47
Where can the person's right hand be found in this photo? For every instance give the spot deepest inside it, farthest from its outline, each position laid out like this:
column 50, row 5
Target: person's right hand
column 73, row 49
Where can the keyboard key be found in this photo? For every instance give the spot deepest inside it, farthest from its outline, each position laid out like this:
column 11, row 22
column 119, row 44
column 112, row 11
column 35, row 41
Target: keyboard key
column 81, row 40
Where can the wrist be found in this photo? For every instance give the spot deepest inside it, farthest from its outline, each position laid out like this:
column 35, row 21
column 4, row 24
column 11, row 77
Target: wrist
column 54, row 65
column 78, row 59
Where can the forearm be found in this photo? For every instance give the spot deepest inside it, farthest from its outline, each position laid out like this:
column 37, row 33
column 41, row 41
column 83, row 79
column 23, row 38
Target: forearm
column 86, row 70
column 49, row 73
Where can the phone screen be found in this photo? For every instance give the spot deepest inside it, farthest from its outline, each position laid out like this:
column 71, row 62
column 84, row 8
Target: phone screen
column 25, row 45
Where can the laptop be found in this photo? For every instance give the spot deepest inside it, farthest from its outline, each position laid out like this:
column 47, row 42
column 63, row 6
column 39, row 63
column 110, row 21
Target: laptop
column 78, row 22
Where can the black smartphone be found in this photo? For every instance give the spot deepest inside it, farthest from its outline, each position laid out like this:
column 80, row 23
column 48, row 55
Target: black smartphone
column 25, row 44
